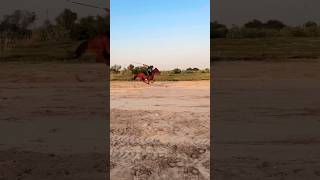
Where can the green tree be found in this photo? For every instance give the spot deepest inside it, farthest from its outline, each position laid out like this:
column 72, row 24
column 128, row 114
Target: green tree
column 218, row 30
column 115, row 69
column 234, row 32
column 254, row 24
column 19, row 19
column 176, row 71
column 86, row 28
column 66, row 19
column 310, row 24
column 130, row 67
column 274, row 24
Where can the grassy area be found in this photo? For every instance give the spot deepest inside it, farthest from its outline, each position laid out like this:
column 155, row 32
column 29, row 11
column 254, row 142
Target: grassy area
column 265, row 48
column 165, row 76
column 59, row 51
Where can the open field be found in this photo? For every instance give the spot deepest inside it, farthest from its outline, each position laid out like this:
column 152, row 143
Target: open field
column 273, row 49
column 46, row 106
column 160, row 131
column 47, row 51
column 266, row 120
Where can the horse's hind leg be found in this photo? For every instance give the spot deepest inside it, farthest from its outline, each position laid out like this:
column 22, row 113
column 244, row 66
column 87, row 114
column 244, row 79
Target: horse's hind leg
column 146, row 81
column 134, row 77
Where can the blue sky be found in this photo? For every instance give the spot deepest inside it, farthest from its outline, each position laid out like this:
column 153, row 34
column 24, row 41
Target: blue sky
column 164, row 33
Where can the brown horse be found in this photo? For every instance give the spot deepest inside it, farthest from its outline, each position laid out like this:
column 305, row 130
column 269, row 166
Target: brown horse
column 99, row 44
column 147, row 79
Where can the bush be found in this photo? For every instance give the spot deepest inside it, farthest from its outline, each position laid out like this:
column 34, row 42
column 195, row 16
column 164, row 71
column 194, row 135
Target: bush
column 234, row 32
column 138, row 70
column 115, row 69
column 176, row 71
column 253, row 33
column 218, row 30
column 298, row 32
column 126, row 72
column 207, row 70
column 254, row 24
column 189, row 70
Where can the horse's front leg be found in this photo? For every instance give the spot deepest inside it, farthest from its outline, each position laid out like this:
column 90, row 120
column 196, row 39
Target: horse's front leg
column 146, row 81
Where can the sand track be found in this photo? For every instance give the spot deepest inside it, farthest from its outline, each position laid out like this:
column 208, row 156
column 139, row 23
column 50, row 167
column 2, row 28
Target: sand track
column 266, row 120
column 154, row 140
column 52, row 124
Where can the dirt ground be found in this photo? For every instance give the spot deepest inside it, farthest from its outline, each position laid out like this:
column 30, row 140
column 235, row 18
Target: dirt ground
column 266, row 123
column 53, row 121
column 160, row 131
column 266, row 120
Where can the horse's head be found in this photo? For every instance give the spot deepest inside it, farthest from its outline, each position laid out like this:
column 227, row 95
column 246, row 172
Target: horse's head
column 156, row 71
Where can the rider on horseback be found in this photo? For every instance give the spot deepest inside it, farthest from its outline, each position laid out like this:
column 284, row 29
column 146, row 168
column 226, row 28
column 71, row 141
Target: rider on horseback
column 149, row 69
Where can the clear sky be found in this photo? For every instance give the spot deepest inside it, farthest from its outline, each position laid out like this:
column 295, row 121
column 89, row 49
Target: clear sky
column 165, row 33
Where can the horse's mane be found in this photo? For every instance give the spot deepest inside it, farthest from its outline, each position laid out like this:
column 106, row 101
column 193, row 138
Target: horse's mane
column 156, row 70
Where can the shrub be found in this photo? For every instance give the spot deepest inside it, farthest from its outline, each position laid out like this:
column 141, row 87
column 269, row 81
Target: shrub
column 207, row 70
column 138, row 70
column 115, row 69
column 298, row 32
column 218, row 30
column 252, row 33
column 176, row 71
column 189, row 70
column 234, row 32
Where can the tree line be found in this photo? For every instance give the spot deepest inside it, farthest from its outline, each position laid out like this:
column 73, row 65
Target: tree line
column 116, row 69
column 260, row 29
column 19, row 25
column 68, row 25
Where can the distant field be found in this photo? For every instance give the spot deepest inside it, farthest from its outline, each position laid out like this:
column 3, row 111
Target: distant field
column 166, row 76
column 265, row 48
column 59, row 51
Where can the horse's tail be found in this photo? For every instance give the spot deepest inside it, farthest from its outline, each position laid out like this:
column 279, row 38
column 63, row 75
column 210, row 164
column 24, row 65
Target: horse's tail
column 81, row 49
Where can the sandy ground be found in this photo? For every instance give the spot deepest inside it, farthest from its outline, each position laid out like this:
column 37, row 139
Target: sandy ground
column 160, row 131
column 53, row 121
column 266, row 121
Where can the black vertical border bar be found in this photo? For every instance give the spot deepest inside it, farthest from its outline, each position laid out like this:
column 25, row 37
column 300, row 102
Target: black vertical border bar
column 107, row 124
column 108, row 98
column 211, row 99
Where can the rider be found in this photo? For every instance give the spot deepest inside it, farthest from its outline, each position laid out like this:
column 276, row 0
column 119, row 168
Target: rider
column 149, row 69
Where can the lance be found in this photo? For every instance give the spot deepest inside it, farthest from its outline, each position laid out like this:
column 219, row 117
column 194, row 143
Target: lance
column 89, row 5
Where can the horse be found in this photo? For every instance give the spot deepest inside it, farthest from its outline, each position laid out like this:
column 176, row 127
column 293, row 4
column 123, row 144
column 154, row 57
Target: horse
column 99, row 44
column 147, row 79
